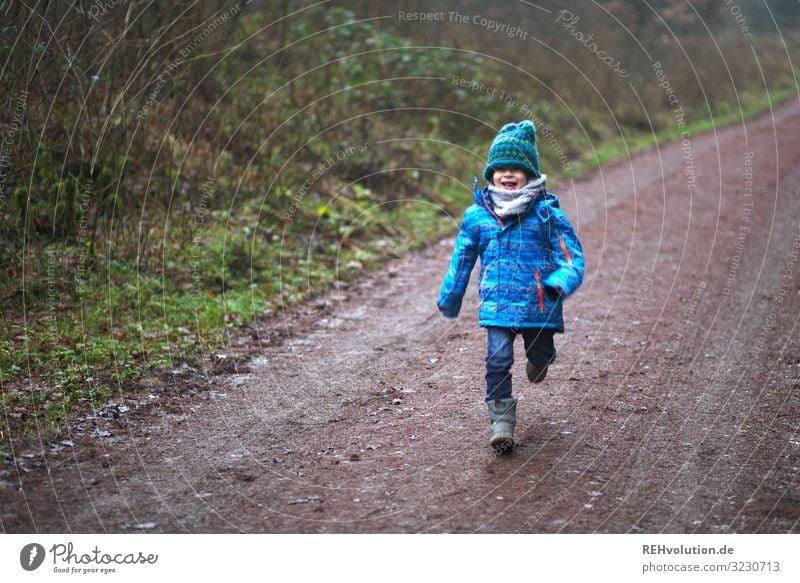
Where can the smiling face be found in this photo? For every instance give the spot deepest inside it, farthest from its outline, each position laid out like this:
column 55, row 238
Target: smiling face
column 509, row 178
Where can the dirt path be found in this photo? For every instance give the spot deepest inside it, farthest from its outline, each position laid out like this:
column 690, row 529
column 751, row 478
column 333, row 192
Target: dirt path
column 673, row 406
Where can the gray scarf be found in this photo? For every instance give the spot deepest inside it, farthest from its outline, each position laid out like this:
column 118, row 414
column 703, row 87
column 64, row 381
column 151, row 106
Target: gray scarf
column 514, row 202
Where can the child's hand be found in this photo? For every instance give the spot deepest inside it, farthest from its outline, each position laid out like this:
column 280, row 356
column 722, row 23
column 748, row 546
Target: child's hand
column 445, row 312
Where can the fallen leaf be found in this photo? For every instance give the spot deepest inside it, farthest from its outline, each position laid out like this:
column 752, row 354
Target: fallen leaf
column 304, row 500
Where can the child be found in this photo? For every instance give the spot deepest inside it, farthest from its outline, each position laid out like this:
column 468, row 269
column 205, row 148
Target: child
column 531, row 260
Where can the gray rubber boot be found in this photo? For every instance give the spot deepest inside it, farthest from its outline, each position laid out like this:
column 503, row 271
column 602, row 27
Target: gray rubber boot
column 502, row 418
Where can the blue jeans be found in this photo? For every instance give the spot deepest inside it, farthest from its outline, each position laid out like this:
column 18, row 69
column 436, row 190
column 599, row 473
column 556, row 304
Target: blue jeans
column 539, row 349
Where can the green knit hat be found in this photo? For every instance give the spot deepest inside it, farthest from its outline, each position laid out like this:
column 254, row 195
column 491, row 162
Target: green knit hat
column 515, row 146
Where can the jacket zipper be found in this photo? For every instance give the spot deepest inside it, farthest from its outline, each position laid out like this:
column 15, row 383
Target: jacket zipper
column 539, row 290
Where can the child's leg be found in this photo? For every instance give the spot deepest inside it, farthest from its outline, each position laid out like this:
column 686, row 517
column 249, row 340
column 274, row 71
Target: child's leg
column 540, row 351
column 499, row 358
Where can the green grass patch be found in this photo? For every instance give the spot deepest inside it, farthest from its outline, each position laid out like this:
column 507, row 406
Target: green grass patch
column 622, row 147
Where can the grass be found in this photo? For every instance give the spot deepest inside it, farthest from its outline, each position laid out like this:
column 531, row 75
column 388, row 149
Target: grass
column 621, row 148
column 75, row 352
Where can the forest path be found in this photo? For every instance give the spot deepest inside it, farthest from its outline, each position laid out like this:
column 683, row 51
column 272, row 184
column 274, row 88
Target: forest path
column 673, row 406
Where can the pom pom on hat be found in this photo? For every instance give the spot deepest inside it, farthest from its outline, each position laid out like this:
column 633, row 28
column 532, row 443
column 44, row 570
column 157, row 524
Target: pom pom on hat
column 515, row 146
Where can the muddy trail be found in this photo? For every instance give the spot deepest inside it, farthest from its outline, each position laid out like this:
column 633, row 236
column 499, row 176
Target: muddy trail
column 673, row 405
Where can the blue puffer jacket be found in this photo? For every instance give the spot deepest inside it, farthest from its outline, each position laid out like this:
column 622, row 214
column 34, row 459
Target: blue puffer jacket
column 529, row 264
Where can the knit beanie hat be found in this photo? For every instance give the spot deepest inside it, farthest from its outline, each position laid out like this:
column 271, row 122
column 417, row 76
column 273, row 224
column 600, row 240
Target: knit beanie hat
column 515, row 146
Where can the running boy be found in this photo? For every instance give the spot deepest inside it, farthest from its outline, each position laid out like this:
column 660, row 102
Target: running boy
column 531, row 260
